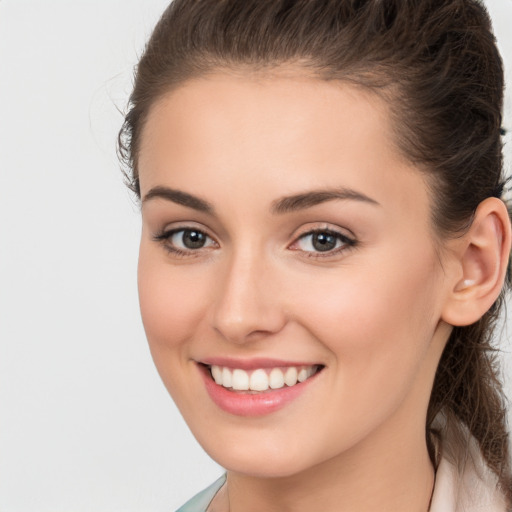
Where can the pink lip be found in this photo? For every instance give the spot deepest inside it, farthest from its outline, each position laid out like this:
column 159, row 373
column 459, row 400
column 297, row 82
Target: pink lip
column 243, row 403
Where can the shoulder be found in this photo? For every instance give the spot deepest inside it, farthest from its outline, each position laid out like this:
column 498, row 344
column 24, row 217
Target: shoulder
column 200, row 502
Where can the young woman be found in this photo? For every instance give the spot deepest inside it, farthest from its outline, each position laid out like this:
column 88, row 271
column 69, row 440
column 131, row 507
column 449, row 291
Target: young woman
column 324, row 248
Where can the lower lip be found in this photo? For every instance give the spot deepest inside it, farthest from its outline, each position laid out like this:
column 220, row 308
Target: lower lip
column 248, row 404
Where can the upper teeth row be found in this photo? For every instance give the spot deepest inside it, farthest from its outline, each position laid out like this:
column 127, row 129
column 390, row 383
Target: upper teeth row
column 260, row 380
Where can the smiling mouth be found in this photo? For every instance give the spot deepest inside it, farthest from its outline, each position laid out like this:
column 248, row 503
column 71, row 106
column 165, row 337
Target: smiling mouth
column 261, row 379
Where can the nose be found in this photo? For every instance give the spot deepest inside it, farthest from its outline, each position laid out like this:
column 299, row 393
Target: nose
column 247, row 306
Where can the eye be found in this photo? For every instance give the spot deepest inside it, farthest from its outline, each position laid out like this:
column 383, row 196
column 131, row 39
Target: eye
column 323, row 241
column 189, row 239
column 185, row 240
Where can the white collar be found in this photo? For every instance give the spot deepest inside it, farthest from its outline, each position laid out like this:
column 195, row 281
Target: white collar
column 464, row 483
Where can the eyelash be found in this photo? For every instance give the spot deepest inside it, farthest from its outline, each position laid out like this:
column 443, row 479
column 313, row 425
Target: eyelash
column 165, row 239
column 347, row 243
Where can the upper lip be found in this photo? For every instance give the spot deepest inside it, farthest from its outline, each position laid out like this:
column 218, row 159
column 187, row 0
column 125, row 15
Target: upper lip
column 252, row 364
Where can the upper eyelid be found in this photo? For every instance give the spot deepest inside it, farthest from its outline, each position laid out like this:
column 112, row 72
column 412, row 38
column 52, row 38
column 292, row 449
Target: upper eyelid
column 170, row 230
column 323, row 228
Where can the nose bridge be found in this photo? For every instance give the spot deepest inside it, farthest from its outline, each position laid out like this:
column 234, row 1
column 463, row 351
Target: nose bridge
column 245, row 304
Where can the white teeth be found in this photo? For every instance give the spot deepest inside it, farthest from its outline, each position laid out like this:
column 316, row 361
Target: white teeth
column 290, row 377
column 303, row 375
column 217, row 374
column 227, row 378
column 276, row 379
column 260, row 379
column 240, row 380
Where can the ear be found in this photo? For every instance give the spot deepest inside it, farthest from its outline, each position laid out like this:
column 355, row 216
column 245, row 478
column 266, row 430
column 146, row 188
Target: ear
column 481, row 260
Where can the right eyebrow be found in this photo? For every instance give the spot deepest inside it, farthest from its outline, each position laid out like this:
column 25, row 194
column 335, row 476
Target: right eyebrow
column 179, row 197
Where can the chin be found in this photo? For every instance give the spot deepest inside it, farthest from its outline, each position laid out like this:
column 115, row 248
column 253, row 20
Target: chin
column 263, row 467
column 263, row 460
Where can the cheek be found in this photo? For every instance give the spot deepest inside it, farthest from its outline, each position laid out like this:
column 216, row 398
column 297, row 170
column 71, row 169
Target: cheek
column 366, row 303
column 378, row 328
column 171, row 309
column 377, row 321
column 170, row 301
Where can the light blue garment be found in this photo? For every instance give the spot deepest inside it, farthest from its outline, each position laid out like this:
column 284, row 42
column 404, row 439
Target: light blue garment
column 200, row 502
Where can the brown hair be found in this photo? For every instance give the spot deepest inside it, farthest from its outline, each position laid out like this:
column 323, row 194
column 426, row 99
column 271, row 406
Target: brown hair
column 437, row 65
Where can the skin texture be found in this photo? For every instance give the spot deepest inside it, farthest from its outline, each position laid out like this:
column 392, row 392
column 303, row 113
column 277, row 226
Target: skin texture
column 373, row 314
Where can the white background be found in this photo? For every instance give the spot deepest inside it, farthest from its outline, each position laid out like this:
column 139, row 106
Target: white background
column 85, row 424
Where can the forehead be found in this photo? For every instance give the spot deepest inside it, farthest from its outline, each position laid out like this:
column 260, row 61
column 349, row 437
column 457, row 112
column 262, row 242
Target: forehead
column 290, row 132
column 261, row 102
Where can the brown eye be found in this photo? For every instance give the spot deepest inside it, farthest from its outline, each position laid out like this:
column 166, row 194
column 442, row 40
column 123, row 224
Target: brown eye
column 323, row 241
column 185, row 240
column 191, row 239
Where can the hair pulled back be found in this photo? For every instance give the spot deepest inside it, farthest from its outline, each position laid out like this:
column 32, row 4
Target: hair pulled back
column 437, row 65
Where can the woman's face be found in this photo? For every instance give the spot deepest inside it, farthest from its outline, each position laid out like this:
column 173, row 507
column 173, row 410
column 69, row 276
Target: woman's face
column 284, row 238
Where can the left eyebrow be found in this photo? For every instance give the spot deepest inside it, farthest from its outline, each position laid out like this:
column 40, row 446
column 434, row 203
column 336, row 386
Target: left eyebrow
column 312, row 198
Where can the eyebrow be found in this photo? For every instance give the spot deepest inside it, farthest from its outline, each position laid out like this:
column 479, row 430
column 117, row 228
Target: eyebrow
column 280, row 206
column 315, row 197
column 179, row 197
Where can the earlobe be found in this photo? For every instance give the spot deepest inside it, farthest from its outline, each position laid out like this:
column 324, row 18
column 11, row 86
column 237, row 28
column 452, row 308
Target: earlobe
column 482, row 259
